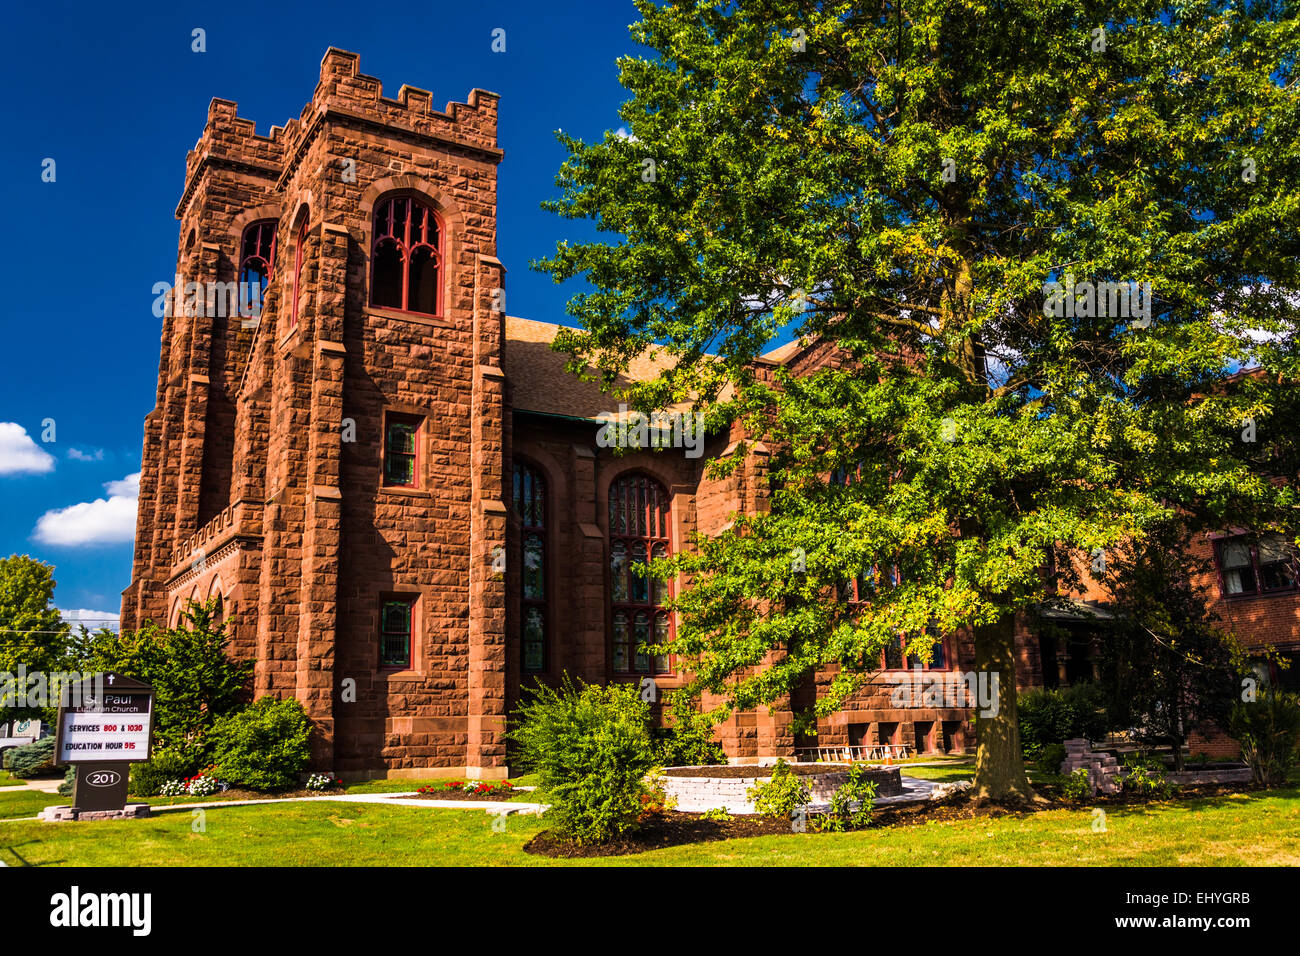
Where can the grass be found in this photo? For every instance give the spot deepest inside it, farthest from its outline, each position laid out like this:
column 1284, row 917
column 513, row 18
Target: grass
column 1242, row 829
column 26, row 803
column 963, row 770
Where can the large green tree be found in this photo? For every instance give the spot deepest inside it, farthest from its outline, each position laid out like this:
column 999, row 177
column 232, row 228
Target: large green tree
column 903, row 182
column 195, row 680
column 32, row 632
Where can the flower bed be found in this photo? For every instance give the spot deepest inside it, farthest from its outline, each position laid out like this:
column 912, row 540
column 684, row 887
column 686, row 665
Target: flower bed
column 696, row 789
column 469, row 790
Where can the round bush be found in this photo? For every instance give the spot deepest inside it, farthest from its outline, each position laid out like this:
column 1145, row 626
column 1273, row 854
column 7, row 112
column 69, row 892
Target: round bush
column 264, row 747
column 591, row 749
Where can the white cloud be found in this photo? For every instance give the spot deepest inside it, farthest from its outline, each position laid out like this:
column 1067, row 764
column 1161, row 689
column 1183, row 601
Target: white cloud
column 108, row 520
column 93, row 620
column 19, row 454
column 76, row 454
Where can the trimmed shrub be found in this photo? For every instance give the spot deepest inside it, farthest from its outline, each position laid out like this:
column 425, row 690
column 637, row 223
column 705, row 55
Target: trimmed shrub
column 781, row 796
column 32, row 759
column 856, row 790
column 1268, row 730
column 1076, row 787
column 591, row 749
column 264, row 747
column 1055, row 716
column 1146, row 775
column 688, row 740
column 1050, row 759
column 166, row 763
column 69, row 781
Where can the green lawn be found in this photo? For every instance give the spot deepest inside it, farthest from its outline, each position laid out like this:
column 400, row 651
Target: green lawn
column 963, row 770
column 26, row 803
column 1237, row 830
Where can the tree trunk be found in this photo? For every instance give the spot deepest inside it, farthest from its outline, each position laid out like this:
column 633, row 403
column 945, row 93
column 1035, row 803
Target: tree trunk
column 999, row 765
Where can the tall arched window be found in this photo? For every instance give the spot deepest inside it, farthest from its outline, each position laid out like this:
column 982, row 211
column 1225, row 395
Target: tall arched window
column 256, row 260
column 406, row 256
column 638, row 531
column 298, row 256
column 530, row 506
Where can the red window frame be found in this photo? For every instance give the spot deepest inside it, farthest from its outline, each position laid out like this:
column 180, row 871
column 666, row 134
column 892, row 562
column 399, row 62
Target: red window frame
column 406, row 632
column 262, row 235
column 416, row 425
column 911, row 662
column 385, row 230
column 640, row 527
column 1251, row 543
column 530, row 506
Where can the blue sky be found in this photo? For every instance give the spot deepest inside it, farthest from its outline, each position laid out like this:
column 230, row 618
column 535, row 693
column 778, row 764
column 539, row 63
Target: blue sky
column 116, row 98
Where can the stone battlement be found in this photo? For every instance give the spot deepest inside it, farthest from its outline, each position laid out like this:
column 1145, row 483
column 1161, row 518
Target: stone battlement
column 344, row 94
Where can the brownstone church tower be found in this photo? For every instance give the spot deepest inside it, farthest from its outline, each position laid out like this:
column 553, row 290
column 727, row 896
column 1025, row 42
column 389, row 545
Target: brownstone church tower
column 339, row 458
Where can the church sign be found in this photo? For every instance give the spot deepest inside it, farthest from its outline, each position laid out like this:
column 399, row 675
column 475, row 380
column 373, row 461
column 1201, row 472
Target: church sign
column 103, row 728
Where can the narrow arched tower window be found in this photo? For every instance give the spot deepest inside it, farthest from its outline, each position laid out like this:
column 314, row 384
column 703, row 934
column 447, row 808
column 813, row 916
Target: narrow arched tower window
column 406, row 257
column 298, row 258
column 256, row 260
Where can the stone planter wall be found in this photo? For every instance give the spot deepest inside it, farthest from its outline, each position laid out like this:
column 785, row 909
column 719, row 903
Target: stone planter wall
column 1231, row 774
column 697, row 794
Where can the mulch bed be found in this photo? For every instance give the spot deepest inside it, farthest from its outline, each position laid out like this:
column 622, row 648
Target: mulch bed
column 731, row 772
column 681, row 829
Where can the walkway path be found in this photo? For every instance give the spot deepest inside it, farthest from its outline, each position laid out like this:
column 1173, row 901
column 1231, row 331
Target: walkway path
column 410, row 799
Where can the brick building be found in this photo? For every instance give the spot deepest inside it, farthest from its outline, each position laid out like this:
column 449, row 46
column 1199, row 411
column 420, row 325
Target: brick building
column 396, row 486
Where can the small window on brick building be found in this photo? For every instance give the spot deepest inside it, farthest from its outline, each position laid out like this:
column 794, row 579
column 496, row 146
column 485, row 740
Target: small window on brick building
column 406, row 256
column 639, row 533
column 530, row 507
column 1249, row 566
column 401, row 451
column 256, row 260
column 395, row 619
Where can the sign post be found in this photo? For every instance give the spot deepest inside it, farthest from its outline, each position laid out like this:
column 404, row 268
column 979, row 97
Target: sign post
column 105, row 724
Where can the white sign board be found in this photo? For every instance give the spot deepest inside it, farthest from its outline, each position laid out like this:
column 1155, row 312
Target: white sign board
column 113, row 727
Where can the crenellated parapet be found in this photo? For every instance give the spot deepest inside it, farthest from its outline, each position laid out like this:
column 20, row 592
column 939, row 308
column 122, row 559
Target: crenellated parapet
column 344, row 88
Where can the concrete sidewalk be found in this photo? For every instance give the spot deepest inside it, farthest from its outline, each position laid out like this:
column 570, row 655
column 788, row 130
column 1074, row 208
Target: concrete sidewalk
column 410, row 799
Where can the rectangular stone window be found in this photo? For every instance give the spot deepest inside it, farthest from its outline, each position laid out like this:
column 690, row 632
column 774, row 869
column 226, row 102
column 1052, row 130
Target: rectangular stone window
column 401, row 451
column 395, row 617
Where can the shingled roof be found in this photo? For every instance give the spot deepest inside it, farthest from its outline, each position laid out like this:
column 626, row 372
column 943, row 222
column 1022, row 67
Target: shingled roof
column 542, row 385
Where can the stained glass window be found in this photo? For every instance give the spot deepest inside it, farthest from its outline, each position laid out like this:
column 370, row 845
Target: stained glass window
column 530, row 507
column 639, row 532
